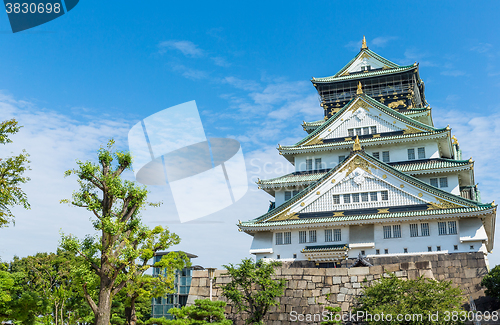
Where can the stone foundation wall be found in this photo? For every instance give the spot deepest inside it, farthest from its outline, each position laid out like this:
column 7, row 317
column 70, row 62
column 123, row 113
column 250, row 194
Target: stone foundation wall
column 309, row 289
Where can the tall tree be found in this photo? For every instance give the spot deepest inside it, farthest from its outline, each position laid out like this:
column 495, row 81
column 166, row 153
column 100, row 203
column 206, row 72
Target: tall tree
column 492, row 282
column 115, row 205
column 252, row 288
column 11, row 175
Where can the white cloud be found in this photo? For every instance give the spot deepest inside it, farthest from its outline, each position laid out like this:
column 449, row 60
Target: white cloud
column 453, row 73
column 382, row 41
column 220, row 61
column 187, row 48
column 190, row 73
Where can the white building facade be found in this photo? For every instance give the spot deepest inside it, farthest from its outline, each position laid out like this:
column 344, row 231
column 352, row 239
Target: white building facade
column 374, row 177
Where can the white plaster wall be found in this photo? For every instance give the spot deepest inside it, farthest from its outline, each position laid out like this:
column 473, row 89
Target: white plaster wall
column 328, row 159
column 453, row 184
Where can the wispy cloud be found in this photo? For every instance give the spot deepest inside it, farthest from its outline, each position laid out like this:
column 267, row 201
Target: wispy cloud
column 482, row 48
column 414, row 55
column 453, row 73
column 382, row 41
column 190, row 73
column 187, row 48
column 249, row 85
column 220, row 61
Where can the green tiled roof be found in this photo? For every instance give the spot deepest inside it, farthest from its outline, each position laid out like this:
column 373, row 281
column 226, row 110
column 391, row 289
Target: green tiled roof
column 403, row 167
column 471, row 205
column 367, row 217
column 286, row 149
column 373, row 102
column 364, row 75
column 324, row 248
column 315, row 123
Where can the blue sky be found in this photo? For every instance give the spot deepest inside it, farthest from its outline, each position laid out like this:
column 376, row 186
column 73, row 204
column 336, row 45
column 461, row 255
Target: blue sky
column 96, row 71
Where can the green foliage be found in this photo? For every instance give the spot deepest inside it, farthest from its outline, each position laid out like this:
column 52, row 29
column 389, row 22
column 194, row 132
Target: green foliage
column 42, row 288
column 333, row 311
column 11, row 175
column 203, row 311
column 421, row 296
column 252, row 288
column 492, row 282
column 119, row 254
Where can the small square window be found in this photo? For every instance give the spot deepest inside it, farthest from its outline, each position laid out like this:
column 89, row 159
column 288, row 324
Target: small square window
column 434, row 182
column 364, row 197
column 351, row 132
column 377, row 251
column 443, row 182
column 384, row 195
column 455, row 247
column 336, row 199
column 373, row 196
column 471, row 246
column 355, row 197
column 405, row 250
column 347, row 198
column 294, row 255
column 277, row 257
column 373, row 129
column 366, row 130
column 363, row 253
column 386, row 251
column 438, row 248
column 429, row 248
column 411, row 154
column 376, row 155
column 358, row 131
column 421, row 153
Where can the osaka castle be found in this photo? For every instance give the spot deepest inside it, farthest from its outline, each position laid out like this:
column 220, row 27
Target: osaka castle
column 373, row 178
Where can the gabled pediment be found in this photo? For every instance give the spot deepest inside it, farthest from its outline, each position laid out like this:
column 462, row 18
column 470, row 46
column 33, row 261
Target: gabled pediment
column 368, row 116
column 366, row 60
column 359, row 176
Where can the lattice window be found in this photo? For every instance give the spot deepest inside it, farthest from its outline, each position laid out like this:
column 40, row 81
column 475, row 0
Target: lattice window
column 328, row 235
column 373, row 196
column 385, row 156
column 336, row 199
column 434, row 182
column 442, row 228
column 373, row 129
column 411, row 154
column 396, row 231
column 288, row 195
column 287, row 238
column 355, row 197
column 364, row 197
column 312, row 236
column 351, row 132
column 413, row 230
column 387, row 232
column 443, row 182
column 309, row 164
column 302, row 237
column 279, row 238
column 337, row 235
column 424, row 229
column 341, row 159
column 318, row 164
column 421, row 153
column 384, row 195
column 376, row 155
column 452, row 227
column 347, row 198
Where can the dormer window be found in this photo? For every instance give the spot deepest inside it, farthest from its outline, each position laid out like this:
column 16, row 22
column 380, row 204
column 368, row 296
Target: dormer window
column 364, row 65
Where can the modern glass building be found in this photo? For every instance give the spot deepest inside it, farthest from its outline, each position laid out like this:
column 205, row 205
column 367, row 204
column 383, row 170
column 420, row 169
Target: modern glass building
column 182, row 283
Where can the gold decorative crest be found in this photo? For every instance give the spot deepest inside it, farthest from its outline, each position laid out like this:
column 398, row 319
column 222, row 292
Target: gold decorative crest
column 315, row 140
column 359, row 103
column 442, row 204
column 411, row 130
column 356, row 162
column 338, row 214
column 383, row 210
column 285, row 215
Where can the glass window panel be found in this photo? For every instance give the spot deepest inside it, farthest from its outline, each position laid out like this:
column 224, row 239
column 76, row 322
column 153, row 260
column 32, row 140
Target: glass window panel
column 421, row 153
column 373, row 196
column 396, row 231
column 355, row 197
column 387, row 232
column 279, row 238
column 443, row 182
column 364, row 197
column 336, row 199
column 337, row 235
column 452, row 227
column 312, row 236
column 328, row 235
column 288, row 195
column 413, row 230
column 385, row 156
column 287, row 238
column 411, row 154
column 373, row 129
column 384, row 195
column 434, row 182
column 424, row 227
column 302, row 237
column 347, row 198
column 442, row 228
column 376, row 155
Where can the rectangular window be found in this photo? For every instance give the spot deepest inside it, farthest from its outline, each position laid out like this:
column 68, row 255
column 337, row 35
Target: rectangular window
column 347, row 198
column 288, row 195
column 358, row 131
column 376, row 155
column 317, row 164
column 355, row 197
column 364, row 197
column 295, row 192
column 421, row 153
column 373, row 129
column 452, row 227
column 279, row 238
column 411, row 154
column 434, row 182
column 309, row 164
column 387, row 232
column 377, row 251
column 351, row 132
column 429, row 248
column 405, row 250
column 396, row 231
column 424, row 229
column 328, row 235
column 471, row 246
column 341, row 159
column 294, row 255
column 337, row 235
column 363, row 253
column 278, row 257
column 413, row 230
column 366, row 130
column 336, row 199
column 312, row 236
column 455, row 247
column 287, row 238
column 384, row 195
column 386, row 251
column 302, row 237
column 385, row 156
column 438, row 248
column 443, row 182
column 373, row 196
column 442, row 228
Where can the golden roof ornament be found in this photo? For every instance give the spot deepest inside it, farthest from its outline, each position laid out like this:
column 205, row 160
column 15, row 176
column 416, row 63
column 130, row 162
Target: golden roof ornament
column 455, row 141
column 360, row 88
column 363, row 44
column 356, row 146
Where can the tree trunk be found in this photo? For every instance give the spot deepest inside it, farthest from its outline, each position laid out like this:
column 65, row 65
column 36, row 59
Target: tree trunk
column 130, row 314
column 103, row 314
